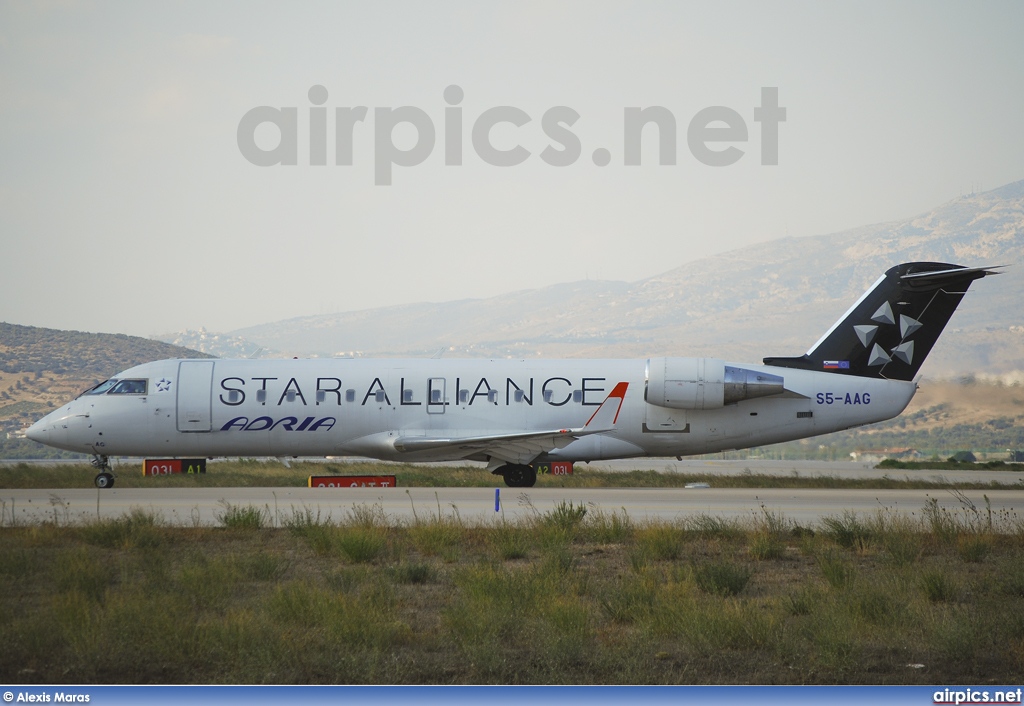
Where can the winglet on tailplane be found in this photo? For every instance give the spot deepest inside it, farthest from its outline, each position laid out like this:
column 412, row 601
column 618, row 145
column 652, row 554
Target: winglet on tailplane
column 606, row 416
column 890, row 330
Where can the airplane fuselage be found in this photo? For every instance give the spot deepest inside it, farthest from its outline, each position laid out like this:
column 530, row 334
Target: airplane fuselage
column 513, row 414
column 320, row 407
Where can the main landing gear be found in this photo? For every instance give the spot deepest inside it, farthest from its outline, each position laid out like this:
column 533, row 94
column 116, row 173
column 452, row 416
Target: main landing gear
column 518, row 476
column 104, row 479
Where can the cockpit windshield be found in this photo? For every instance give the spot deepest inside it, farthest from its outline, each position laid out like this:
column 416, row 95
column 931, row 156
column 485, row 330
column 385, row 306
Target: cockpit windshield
column 114, row 386
column 129, row 387
column 102, row 388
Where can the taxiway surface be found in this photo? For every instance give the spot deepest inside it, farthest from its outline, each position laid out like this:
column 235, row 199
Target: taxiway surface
column 204, row 506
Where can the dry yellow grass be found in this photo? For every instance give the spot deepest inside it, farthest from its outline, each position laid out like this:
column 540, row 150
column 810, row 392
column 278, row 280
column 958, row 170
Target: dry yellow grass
column 130, row 601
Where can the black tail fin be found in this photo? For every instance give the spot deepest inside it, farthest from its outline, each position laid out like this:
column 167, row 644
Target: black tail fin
column 891, row 329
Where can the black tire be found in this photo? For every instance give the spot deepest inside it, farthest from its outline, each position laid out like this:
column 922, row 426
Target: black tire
column 517, row 476
column 104, row 480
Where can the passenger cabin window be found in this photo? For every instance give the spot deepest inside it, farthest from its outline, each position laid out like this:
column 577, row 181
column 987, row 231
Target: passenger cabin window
column 129, row 387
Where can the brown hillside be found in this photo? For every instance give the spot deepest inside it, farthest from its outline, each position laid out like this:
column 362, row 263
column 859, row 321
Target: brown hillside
column 42, row 368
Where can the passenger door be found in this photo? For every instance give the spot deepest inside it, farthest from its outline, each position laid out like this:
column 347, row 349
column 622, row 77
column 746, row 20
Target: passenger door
column 195, row 387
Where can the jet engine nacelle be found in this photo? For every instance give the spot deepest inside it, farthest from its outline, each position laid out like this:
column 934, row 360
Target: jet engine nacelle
column 705, row 383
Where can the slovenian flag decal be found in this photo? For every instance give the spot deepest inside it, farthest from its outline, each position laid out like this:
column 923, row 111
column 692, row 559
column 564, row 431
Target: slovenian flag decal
column 837, row 365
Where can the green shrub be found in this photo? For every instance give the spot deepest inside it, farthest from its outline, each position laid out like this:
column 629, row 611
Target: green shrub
column 766, row 546
column 874, row 605
column 248, row 517
column 557, row 561
column 262, row 566
column 709, row 527
column 949, row 525
column 837, row 571
column 341, row 620
column 974, row 548
column 939, row 587
column 135, row 528
column 18, row 563
column 361, row 544
column 721, row 578
column 509, row 541
column 83, row 571
column 774, row 524
column 609, row 528
column 564, row 630
column 629, row 600
column 208, row 581
column 900, row 536
column 494, row 607
column 660, row 542
column 802, row 601
column 846, row 530
column 439, row 535
column 418, row 573
column 943, row 524
column 565, row 516
column 1011, row 580
column 303, row 520
column 368, row 516
column 638, row 558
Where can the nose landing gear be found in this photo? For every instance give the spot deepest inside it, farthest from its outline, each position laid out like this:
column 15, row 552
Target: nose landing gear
column 104, row 479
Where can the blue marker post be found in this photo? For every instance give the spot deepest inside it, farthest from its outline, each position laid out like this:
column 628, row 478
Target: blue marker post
column 497, row 499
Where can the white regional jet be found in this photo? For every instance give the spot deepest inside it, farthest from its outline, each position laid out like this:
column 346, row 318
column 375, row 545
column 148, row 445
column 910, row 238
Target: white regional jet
column 514, row 414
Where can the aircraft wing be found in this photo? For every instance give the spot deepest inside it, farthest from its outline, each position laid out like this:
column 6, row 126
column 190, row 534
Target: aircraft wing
column 522, row 447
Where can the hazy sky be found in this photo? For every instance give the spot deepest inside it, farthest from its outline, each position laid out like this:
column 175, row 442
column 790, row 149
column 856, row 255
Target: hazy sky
column 127, row 206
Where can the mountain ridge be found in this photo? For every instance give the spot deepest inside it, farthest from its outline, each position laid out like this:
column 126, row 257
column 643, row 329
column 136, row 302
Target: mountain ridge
column 773, row 298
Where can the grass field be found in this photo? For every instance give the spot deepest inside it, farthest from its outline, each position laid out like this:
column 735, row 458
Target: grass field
column 575, row 595
column 251, row 473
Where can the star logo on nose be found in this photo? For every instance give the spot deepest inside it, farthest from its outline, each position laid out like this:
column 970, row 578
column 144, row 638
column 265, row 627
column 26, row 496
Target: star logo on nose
column 163, row 385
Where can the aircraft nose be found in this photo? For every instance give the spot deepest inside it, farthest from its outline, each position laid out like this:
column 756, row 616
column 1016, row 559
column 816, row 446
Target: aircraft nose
column 51, row 430
column 40, row 431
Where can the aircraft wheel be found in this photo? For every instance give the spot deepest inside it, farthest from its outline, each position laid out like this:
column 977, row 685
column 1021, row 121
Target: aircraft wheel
column 104, row 480
column 517, row 476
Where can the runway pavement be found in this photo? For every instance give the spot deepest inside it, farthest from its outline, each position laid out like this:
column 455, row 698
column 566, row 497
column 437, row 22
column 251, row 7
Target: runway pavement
column 849, row 470
column 187, row 506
